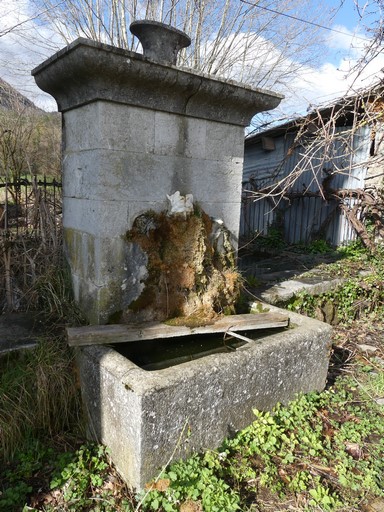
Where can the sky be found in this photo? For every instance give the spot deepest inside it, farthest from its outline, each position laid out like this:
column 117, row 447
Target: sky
column 344, row 45
column 316, row 84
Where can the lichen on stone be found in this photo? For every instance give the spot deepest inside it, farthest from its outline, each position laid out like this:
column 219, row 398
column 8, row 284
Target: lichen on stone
column 191, row 275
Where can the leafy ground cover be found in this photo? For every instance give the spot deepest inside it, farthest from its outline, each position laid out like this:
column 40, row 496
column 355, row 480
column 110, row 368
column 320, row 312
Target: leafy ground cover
column 322, row 452
column 360, row 295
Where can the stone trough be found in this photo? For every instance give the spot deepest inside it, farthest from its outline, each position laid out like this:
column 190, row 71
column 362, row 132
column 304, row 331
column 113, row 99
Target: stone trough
column 147, row 418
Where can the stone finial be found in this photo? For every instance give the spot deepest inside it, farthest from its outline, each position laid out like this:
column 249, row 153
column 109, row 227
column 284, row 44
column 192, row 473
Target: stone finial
column 161, row 43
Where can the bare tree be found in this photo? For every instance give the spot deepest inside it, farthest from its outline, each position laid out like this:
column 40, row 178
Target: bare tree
column 337, row 140
column 29, row 233
column 371, row 13
column 234, row 39
column 29, row 137
column 15, row 24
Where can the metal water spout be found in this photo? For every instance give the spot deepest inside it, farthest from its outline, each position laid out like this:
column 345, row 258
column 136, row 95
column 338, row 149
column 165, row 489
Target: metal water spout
column 161, row 43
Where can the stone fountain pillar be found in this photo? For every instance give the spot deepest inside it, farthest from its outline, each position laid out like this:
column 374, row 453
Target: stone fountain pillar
column 135, row 129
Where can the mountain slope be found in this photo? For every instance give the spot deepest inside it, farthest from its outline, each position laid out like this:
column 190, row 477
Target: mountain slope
column 11, row 99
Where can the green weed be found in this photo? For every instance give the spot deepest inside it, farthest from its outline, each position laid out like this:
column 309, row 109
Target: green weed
column 318, row 450
column 273, row 240
column 357, row 297
column 318, row 246
column 81, row 481
column 194, row 480
column 353, row 250
column 16, row 476
column 324, row 451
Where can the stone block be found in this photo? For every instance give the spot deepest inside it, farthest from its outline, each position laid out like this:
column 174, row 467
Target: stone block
column 224, row 142
column 170, row 134
column 81, row 128
column 126, row 128
column 101, row 218
column 112, row 126
column 87, row 71
column 120, row 176
column 214, row 181
column 111, row 270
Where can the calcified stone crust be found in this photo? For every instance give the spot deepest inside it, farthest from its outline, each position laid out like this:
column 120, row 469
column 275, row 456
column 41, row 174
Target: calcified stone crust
column 191, row 276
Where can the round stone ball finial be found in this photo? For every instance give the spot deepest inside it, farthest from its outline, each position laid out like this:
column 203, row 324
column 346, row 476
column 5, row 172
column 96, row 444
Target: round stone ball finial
column 161, row 43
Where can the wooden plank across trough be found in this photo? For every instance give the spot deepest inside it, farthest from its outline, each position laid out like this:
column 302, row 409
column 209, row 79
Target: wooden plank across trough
column 121, row 333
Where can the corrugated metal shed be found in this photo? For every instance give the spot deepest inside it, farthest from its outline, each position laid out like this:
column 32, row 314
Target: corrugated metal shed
column 302, row 217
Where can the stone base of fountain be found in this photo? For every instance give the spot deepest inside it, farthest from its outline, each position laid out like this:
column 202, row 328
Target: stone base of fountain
column 147, row 418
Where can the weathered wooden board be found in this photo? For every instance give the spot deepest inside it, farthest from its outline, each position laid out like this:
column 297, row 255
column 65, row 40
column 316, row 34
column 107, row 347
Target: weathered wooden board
column 120, row 333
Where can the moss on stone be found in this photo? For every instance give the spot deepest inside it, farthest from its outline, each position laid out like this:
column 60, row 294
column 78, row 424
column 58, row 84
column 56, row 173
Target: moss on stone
column 188, row 277
column 115, row 318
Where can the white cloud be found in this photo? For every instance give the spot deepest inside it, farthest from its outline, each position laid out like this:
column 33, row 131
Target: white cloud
column 342, row 73
column 341, row 38
column 304, row 86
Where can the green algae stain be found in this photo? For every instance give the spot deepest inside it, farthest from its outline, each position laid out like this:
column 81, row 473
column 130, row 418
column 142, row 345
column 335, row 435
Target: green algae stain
column 73, row 248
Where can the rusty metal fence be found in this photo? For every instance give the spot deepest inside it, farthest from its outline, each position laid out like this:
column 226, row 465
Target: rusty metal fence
column 30, row 236
column 26, row 204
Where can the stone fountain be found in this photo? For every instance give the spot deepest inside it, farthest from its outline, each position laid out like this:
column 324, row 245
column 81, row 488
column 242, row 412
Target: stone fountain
column 140, row 132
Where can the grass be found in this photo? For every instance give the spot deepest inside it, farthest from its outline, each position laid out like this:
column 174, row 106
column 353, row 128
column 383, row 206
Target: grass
column 322, row 452
column 38, row 395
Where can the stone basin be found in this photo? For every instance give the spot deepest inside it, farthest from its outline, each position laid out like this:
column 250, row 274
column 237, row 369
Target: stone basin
column 148, row 418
